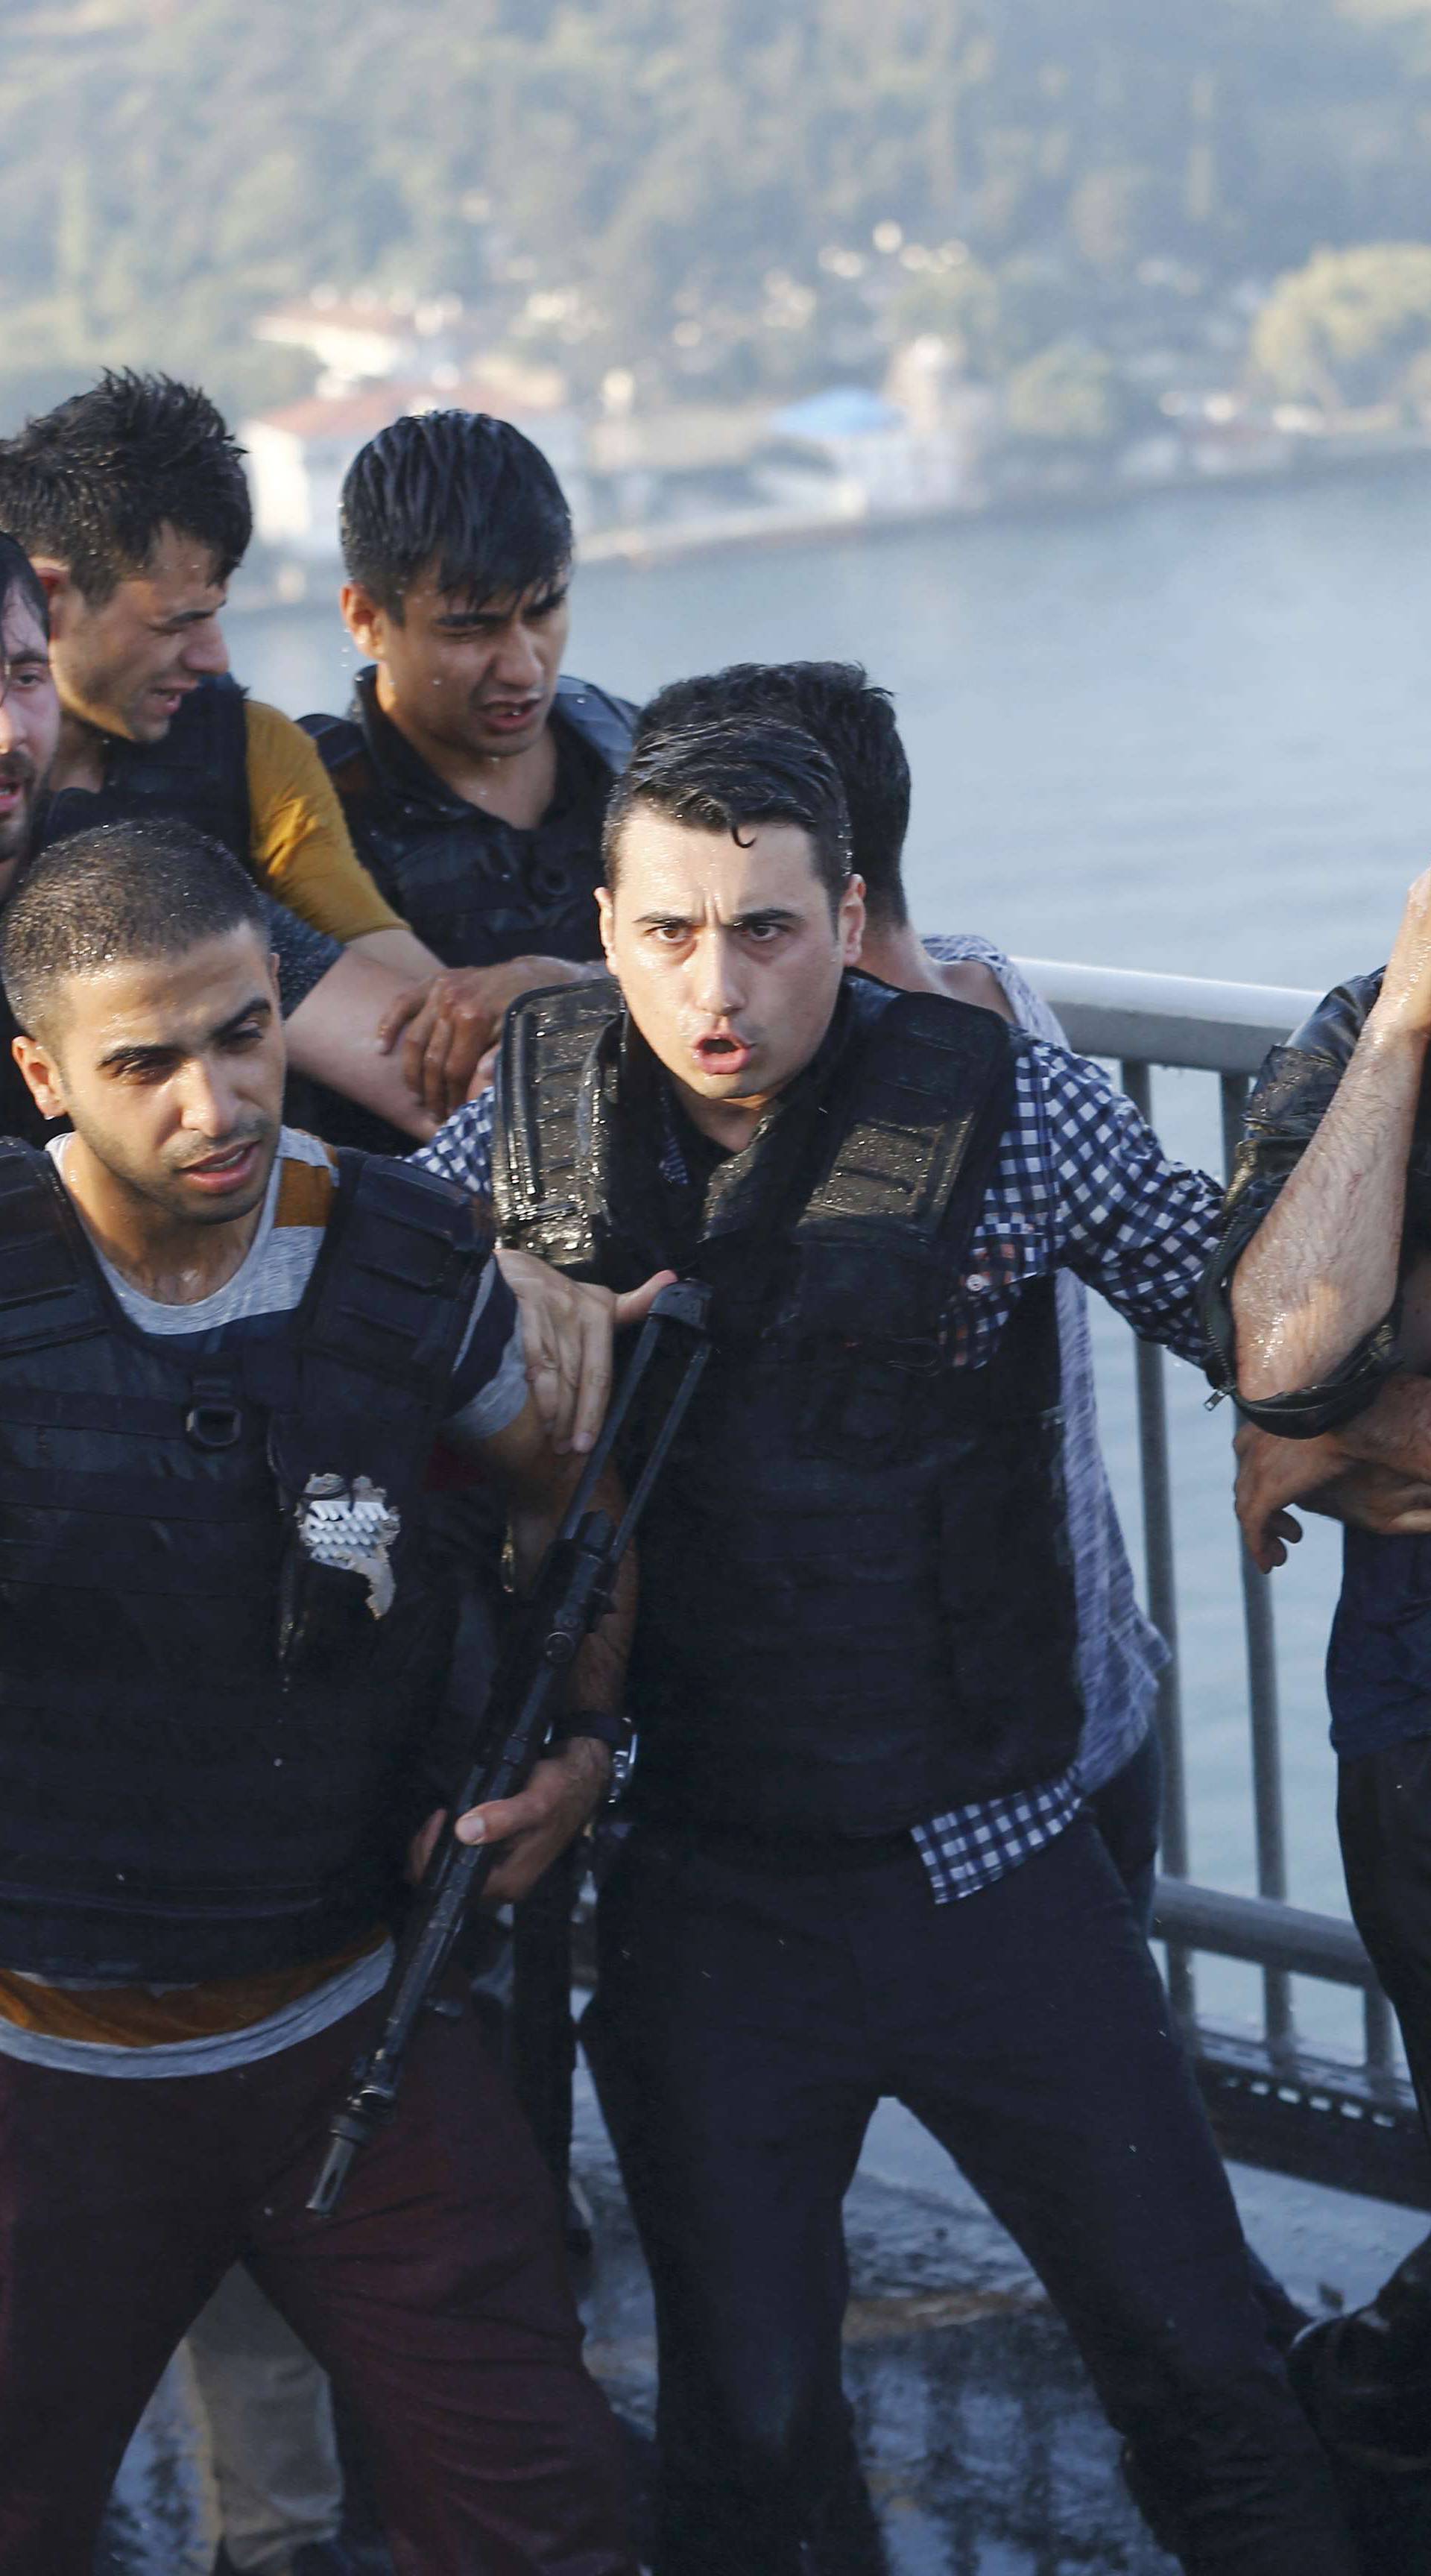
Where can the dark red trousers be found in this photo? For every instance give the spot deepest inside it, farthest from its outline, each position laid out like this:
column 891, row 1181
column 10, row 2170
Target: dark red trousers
column 436, row 2298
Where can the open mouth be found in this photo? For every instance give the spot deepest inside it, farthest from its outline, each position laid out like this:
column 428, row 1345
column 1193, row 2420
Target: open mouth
column 721, row 1053
column 13, row 794
column 227, row 1171
column 511, row 714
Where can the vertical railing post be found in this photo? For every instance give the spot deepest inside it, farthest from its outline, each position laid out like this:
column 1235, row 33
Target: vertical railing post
column 1162, row 1591
column 1380, row 2030
column 1262, row 1697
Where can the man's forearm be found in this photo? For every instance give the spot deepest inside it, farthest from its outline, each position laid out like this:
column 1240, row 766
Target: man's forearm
column 333, row 1038
column 400, row 950
column 1321, row 1271
column 598, row 1675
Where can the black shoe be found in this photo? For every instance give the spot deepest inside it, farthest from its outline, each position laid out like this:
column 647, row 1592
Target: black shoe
column 1374, row 2418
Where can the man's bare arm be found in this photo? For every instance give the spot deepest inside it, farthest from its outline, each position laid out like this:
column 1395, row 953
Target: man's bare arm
column 1321, row 1271
column 333, row 1036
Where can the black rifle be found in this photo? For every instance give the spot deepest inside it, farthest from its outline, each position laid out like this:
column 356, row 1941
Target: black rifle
column 572, row 1592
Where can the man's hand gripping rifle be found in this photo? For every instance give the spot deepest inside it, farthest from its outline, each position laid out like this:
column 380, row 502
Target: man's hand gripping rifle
column 572, row 1592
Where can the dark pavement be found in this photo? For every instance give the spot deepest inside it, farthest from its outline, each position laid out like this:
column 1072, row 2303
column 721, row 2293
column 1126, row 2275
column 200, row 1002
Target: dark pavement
column 986, row 2451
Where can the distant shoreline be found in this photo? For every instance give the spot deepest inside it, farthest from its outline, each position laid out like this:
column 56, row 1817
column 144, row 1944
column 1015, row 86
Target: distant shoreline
column 753, row 531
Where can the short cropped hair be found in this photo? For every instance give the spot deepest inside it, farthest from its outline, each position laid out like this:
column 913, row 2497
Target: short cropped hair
column 727, row 777
column 840, row 706
column 18, row 578
column 458, row 492
column 122, row 891
column 94, row 481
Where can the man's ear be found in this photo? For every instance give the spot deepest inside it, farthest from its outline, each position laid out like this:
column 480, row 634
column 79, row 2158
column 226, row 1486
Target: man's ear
column 606, row 911
column 366, row 622
column 850, row 921
column 58, row 586
column 42, row 1077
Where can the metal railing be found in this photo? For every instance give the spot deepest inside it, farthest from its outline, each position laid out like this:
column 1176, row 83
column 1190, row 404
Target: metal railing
column 1272, row 2101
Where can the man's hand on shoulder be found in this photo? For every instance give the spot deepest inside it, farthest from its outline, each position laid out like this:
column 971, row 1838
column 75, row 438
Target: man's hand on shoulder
column 568, row 1327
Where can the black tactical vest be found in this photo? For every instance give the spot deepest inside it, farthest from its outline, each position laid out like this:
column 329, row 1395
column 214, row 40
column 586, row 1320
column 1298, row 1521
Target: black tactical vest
column 473, row 888
column 207, row 1739
column 856, row 1604
column 198, row 773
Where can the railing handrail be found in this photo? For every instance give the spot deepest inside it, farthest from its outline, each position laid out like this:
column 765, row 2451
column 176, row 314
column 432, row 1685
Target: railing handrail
column 1192, row 1020
column 1262, row 1929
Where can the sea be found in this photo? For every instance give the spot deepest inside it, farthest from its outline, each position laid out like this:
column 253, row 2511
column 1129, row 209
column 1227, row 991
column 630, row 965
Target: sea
column 1187, row 733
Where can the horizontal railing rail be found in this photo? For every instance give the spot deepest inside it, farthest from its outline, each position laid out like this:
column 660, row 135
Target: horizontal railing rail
column 1273, row 2102
column 1190, row 1020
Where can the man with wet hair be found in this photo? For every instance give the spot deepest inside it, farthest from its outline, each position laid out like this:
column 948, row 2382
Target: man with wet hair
column 221, row 1737
column 474, row 775
column 859, row 1863
column 131, row 501
column 1121, row 1655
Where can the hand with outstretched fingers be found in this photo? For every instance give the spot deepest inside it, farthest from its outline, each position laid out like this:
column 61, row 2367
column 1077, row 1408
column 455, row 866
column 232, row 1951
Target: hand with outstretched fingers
column 568, row 1329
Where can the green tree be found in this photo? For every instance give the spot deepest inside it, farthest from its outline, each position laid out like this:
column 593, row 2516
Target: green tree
column 1065, row 395
column 1348, row 326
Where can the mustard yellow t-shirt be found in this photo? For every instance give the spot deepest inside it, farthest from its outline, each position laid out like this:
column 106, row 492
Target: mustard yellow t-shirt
column 301, row 850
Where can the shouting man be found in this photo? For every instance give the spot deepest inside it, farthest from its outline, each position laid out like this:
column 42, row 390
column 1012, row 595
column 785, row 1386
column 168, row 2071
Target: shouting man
column 859, row 1861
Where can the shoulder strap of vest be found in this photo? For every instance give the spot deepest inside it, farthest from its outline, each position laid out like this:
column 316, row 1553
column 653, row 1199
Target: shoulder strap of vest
column 918, row 1101
column 343, row 750
column 198, row 770
column 50, row 1288
column 382, row 1327
column 608, row 724
column 926, row 1098
column 548, row 1073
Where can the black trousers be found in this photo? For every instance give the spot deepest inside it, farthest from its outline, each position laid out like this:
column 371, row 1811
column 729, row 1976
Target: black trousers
column 747, row 2022
column 1384, row 1821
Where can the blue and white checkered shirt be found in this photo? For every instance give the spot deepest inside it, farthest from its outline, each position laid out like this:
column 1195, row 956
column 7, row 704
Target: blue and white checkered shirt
column 1083, row 1185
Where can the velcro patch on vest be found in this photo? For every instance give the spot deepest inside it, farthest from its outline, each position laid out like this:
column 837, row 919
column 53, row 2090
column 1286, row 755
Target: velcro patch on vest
column 351, row 1527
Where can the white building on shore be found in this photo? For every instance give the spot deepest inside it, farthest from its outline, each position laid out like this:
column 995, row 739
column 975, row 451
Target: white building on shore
column 298, row 455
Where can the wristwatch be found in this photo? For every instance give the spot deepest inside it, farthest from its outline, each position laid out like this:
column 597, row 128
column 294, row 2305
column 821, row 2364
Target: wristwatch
column 605, row 1724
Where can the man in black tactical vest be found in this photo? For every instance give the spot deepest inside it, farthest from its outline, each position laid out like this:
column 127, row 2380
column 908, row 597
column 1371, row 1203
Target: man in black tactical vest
column 224, row 1355
column 473, row 774
column 858, row 1863
column 132, row 502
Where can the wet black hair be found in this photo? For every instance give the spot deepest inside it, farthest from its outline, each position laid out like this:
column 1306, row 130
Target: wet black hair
column 94, row 481
column 840, row 706
column 726, row 777
column 123, row 890
column 17, row 573
column 461, row 493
